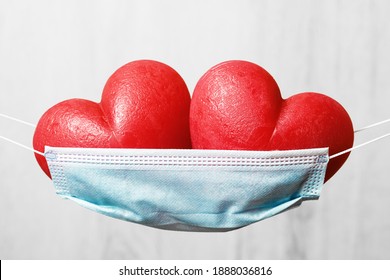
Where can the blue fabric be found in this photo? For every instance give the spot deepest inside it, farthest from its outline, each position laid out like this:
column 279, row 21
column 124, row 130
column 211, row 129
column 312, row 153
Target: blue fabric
column 194, row 190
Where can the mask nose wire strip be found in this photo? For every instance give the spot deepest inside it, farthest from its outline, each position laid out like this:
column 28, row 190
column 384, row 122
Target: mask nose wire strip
column 17, row 120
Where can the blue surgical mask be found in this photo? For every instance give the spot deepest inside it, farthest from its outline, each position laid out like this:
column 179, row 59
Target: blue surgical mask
column 194, row 190
column 188, row 190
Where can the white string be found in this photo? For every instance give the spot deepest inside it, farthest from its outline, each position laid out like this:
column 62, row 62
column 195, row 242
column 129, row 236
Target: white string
column 366, row 143
column 359, row 146
column 332, row 156
column 17, row 120
column 21, row 145
column 371, row 125
column 14, row 142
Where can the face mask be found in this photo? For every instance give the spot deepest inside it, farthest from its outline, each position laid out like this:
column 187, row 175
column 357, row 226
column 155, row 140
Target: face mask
column 189, row 190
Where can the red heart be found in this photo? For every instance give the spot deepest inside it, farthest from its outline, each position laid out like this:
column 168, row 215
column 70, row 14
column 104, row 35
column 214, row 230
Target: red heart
column 237, row 105
column 145, row 104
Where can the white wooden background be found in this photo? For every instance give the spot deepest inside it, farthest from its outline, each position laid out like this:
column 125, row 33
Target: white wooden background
column 55, row 50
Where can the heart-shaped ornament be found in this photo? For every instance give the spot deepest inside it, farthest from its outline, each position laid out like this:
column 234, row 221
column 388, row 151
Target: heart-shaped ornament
column 237, row 105
column 145, row 104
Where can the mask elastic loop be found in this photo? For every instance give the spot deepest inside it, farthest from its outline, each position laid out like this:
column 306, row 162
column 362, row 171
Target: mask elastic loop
column 371, row 126
column 365, row 143
column 21, row 145
column 359, row 146
column 331, row 157
column 17, row 143
column 17, row 120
